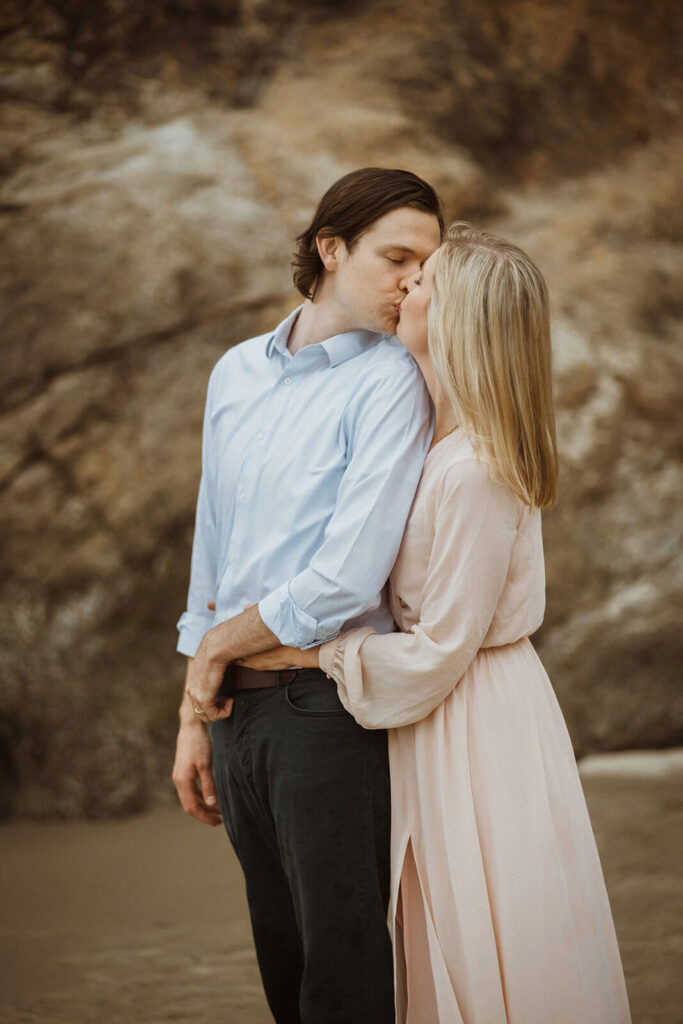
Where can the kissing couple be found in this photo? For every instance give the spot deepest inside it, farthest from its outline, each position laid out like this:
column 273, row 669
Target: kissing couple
column 363, row 708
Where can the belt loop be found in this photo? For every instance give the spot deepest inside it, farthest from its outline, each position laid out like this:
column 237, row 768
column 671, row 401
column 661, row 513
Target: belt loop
column 279, row 679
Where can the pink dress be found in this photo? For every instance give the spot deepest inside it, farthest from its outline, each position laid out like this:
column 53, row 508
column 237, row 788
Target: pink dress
column 498, row 901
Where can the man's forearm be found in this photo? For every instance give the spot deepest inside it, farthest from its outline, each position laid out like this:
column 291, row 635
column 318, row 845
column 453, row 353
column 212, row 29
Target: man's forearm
column 240, row 636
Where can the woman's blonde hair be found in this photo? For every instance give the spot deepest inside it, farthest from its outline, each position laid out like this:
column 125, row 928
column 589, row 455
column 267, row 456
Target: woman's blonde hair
column 489, row 342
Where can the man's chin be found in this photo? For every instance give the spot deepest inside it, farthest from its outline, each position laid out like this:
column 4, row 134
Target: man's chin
column 390, row 325
column 379, row 324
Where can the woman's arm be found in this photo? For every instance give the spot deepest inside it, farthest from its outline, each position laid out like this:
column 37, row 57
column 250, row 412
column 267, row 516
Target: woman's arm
column 391, row 680
column 282, row 657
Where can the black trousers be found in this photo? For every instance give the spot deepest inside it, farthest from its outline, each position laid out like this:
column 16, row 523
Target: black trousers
column 304, row 793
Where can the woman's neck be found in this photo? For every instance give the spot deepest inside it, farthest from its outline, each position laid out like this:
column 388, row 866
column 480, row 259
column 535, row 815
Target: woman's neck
column 445, row 420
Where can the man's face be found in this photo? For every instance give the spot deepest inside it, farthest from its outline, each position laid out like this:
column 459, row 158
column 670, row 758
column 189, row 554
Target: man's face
column 370, row 282
column 412, row 330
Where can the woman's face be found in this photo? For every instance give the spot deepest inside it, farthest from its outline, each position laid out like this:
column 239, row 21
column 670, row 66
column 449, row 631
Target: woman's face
column 412, row 325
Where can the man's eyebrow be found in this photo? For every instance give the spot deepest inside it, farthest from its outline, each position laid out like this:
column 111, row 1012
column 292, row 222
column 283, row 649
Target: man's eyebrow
column 397, row 246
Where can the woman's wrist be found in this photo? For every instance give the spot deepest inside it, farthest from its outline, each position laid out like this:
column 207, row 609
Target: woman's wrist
column 304, row 657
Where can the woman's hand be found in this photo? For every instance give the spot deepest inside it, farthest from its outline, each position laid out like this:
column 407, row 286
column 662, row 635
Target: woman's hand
column 280, row 658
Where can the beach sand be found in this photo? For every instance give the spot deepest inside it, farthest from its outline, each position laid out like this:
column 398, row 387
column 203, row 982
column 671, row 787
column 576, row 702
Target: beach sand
column 145, row 920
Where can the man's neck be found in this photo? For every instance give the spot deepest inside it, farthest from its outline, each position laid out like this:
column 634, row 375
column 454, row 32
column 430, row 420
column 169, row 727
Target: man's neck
column 317, row 322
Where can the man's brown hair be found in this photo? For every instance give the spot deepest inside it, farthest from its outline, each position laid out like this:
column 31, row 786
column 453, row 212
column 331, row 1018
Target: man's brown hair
column 350, row 207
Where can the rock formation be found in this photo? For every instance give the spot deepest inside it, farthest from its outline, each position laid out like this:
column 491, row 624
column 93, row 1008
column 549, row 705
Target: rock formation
column 158, row 161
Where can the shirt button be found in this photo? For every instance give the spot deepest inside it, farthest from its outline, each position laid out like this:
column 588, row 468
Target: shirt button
column 243, row 496
column 232, row 559
column 260, row 435
column 287, row 380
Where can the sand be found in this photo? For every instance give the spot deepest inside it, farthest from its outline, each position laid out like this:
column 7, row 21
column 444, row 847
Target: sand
column 145, row 920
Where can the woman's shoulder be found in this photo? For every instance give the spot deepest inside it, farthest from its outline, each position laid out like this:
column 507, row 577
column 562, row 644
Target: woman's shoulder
column 463, row 476
column 454, row 460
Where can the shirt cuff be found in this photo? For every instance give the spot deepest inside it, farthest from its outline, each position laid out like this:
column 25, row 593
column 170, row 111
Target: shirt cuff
column 192, row 628
column 292, row 626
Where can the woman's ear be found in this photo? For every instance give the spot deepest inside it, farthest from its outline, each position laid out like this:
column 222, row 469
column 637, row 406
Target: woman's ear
column 329, row 250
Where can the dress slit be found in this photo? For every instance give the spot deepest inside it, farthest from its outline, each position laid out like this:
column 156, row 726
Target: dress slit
column 427, row 998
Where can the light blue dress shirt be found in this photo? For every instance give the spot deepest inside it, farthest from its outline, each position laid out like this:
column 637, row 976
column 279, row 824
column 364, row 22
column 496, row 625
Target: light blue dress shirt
column 309, row 467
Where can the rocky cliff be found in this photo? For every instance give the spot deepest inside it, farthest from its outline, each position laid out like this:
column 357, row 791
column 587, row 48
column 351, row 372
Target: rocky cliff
column 158, row 160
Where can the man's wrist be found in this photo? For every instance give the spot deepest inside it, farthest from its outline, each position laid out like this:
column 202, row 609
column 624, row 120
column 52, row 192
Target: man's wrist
column 194, row 722
column 186, row 713
column 219, row 644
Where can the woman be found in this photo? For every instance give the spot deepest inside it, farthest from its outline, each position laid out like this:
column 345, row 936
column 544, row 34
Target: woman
column 499, row 905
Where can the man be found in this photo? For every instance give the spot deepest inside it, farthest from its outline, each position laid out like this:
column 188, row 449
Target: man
column 314, row 439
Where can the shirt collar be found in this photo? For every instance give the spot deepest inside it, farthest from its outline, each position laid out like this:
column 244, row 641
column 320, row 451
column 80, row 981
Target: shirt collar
column 278, row 340
column 338, row 349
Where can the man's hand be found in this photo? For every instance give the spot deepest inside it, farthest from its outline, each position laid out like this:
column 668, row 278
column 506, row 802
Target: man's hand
column 193, row 773
column 204, row 676
column 238, row 637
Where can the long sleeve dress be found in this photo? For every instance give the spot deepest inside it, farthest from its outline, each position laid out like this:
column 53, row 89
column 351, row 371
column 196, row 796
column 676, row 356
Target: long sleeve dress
column 498, row 901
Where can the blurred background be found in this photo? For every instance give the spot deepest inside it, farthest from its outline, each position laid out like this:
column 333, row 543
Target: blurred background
column 158, row 159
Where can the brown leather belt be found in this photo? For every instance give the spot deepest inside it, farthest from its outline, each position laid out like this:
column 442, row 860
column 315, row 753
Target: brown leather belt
column 251, row 679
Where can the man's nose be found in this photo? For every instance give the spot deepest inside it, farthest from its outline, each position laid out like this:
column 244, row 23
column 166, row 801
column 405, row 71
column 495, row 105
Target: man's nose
column 408, row 281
